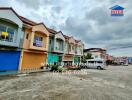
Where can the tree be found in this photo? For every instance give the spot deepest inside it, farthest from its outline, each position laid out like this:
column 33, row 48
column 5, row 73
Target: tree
column 89, row 56
column 86, row 57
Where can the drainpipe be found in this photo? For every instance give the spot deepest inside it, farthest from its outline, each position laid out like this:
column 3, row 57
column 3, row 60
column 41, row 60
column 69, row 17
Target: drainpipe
column 22, row 50
column 20, row 61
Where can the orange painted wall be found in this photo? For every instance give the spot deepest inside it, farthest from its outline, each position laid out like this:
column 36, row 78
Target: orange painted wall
column 32, row 60
column 26, row 43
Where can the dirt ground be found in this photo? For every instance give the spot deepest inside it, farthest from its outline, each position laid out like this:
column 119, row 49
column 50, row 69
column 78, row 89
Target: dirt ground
column 115, row 83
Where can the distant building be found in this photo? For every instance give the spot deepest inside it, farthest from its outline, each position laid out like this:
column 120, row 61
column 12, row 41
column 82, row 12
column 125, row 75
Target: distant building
column 96, row 53
column 109, row 57
column 121, row 60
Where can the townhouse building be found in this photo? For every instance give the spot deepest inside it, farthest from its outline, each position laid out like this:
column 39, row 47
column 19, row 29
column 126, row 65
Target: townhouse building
column 79, row 46
column 35, row 46
column 73, row 50
column 56, row 46
column 69, row 53
column 11, row 39
column 63, row 48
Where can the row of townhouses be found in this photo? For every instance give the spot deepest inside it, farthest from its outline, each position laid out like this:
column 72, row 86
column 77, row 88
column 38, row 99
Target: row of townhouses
column 25, row 44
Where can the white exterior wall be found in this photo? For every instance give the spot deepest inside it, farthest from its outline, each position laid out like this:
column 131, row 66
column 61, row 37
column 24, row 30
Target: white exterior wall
column 9, row 14
column 66, row 48
column 96, row 55
column 59, row 36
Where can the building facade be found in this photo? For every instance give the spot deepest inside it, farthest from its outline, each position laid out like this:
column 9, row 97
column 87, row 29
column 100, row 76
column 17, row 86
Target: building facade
column 56, row 47
column 27, row 45
column 35, row 46
column 121, row 60
column 11, row 39
column 73, row 50
column 79, row 46
column 97, row 53
column 109, row 57
column 69, row 50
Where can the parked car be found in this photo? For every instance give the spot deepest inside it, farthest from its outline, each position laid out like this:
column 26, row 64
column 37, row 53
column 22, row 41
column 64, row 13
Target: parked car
column 95, row 63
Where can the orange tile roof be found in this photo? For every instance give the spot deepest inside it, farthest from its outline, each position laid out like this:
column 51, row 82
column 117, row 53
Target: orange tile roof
column 66, row 37
column 77, row 41
column 52, row 31
column 27, row 21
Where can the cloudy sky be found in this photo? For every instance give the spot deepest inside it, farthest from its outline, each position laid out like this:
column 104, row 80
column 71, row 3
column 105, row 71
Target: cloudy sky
column 87, row 20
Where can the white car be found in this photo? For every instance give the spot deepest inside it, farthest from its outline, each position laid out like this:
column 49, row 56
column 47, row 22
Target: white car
column 96, row 63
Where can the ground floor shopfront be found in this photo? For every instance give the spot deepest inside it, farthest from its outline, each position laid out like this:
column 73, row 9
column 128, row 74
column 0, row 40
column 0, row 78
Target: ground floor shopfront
column 9, row 60
column 77, row 59
column 54, row 58
column 33, row 60
column 68, row 59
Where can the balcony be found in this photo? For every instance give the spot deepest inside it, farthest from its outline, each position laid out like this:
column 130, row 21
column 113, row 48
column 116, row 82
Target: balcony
column 71, row 49
column 59, row 46
column 72, row 52
column 79, row 51
column 10, row 28
column 9, row 36
column 39, row 42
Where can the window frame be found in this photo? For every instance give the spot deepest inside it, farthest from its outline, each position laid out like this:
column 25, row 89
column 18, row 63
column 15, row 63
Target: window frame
column 40, row 39
column 8, row 27
column 27, row 36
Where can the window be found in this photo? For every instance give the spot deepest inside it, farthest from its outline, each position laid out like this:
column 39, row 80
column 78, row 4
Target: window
column 72, row 47
column 2, row 28
column 91, row 62
column 6, row 33
column 38, row 41
column 27, row 35
column 50, row 41
column 11, row 34
column 66, row 47
column 59, row 44
column 99, row 62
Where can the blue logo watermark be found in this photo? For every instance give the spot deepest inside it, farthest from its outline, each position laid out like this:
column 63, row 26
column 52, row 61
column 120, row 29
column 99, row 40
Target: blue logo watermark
column 117, row 10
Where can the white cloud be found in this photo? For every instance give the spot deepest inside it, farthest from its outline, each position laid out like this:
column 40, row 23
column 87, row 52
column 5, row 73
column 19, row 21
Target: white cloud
column 88, row 20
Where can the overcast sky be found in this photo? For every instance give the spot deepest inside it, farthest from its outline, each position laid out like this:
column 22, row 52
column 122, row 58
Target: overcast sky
column 87, row 20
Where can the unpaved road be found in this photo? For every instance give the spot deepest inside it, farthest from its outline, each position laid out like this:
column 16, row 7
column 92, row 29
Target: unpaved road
column 115, row 83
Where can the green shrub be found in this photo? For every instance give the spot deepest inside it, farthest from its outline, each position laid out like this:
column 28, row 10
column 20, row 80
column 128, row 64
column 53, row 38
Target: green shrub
column 54, row 67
